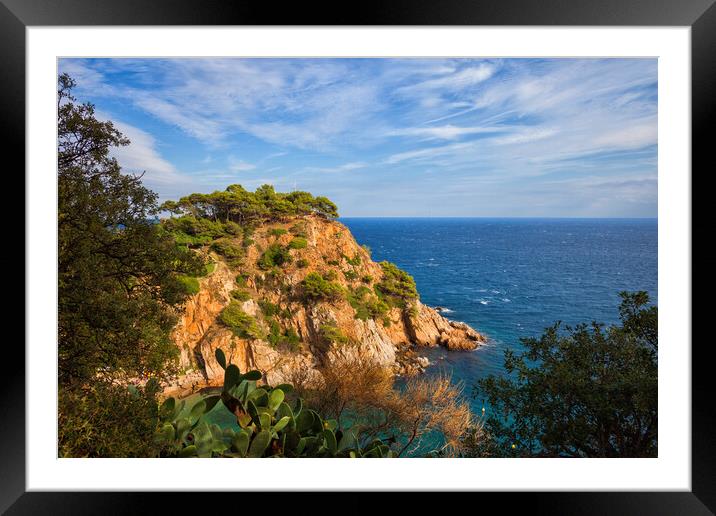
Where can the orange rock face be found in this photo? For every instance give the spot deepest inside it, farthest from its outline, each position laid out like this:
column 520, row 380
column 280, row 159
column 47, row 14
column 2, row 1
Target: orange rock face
column 331, row 250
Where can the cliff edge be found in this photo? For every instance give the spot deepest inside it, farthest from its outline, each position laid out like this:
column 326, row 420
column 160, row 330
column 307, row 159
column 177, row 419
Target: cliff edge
column 292, row 295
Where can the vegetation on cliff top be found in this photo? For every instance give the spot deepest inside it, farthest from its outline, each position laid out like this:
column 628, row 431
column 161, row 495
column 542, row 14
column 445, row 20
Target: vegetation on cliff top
column 236, row 204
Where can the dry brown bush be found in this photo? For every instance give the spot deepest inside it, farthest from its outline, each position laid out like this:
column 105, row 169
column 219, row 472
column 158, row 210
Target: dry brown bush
column 362, row 394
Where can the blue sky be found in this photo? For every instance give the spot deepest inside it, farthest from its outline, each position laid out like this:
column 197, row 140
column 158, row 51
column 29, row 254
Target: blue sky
column 392, row 137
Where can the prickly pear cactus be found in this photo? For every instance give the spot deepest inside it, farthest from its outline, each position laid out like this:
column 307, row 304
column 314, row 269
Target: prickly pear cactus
column 268, row 426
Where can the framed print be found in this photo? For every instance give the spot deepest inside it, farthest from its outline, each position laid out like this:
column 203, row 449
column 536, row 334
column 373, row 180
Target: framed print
column 444, row 237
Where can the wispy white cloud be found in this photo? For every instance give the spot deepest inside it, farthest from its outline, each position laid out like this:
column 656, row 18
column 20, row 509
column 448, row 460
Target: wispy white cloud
column 237, row 165
column 141, row 156
column 445, row 132
column 346, row 167
column 455, row 81
column 465, row 123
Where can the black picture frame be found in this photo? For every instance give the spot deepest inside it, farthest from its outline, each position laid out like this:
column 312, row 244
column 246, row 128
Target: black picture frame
column 700, row 15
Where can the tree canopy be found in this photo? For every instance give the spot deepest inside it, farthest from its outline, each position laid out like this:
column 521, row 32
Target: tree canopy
column 118, row 273
column 244, row 207
column 587, row 391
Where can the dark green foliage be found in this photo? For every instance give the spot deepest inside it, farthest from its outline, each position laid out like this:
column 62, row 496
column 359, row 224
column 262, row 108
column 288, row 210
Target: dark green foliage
column 397, row 287
column 268, row 425
column 189, row 240
column 316, row 288
column 350, row 275
column 367, row 279
column 277, row 232
column 291, row 340
column 333, row 262
column 209, row 268
column 117, row 271
column 298, row 243
column 299, row 230
column 241, row 279
column 268, row 308
column 274, row 331
column 302, row 263
column 331, row 334
column 367, row 305
column 287, row 339
column 248, row 233
column 240, row 295
column 587, row 391
column 233, row 229
column 229, row 250
column 238, row 205
column 356, row 260
column 240, row 323
column 274, row 256
column 189, row 285
column 106, row 420
column 197, row 228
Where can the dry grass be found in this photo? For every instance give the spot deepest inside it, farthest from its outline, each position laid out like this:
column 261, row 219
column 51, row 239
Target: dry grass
column 363, row 391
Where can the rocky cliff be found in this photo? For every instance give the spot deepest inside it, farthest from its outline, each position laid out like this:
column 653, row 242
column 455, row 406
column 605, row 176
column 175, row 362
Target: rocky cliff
column 287, row 331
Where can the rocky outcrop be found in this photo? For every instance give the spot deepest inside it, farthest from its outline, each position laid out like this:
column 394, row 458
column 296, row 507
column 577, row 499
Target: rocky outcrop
column 391, row 340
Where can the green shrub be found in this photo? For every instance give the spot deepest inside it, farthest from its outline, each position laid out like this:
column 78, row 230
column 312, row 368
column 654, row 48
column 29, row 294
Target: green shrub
column 350, row 275
column 274, row 332
column 240, row 295
column 241, row 279
column 298, row 243
column 241, row 323
column 274, row 256
column 287, row 339
column 229, row 250
column 367, row 279
column 277, row 232
column 316, row 288
column 195, row 227
column 232, row 228
column 248, row 233
column 268, row 308
column 367, row 305
column 188, row 284
column 183, row 239
column 209, row 268
column 302, row 263
column 333, row 262
column 291, row 340
column 101, row 419
column 330, row 275
column 331, row 334
column 356, row 260
column 299, row 230
column 397, row 287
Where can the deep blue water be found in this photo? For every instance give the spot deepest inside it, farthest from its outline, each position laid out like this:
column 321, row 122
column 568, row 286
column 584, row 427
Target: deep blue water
column 511, row 278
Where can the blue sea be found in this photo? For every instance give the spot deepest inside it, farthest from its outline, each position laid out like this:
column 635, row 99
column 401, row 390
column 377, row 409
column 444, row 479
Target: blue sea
column 511, row 278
